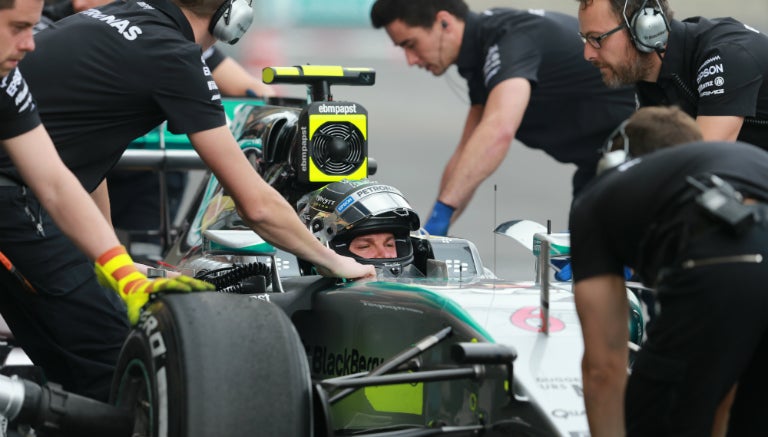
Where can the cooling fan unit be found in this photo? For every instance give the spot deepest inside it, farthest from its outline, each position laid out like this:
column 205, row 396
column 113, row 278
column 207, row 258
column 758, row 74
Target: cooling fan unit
column 332, row 143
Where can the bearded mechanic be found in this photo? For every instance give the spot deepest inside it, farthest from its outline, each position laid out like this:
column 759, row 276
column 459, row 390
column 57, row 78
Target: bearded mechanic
column 106, row 76
column 526, row 81
column 714, row 69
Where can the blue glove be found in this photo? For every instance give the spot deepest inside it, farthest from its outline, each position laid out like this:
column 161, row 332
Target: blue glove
column 564, row 266
column 440, row 219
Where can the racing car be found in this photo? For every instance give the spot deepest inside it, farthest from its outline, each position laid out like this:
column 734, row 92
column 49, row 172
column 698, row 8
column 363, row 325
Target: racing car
column 281, row 351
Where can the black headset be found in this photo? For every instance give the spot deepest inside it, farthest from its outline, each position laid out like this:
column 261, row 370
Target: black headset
column 648, row 27
column 231, row 20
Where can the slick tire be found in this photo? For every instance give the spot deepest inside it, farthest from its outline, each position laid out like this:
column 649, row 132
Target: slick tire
column 213, row 364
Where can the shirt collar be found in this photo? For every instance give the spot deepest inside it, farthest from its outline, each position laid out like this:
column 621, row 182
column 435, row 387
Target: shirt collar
column 673, row 56
column 174, row 13
column 470, row 52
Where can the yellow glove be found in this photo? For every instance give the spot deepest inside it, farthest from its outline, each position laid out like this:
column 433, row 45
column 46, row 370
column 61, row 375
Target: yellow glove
column 115, row 269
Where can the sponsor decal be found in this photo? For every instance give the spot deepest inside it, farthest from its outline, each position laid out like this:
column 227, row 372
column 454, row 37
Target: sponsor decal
column 325, row 361
column 149, row 324
column 262, row 297
column 706, row 85
column 211, row 83
column 16, row 88
column 719, row 81
column 304, row 149
column 390, row 307
column 562, row 413
column 529, row 318
column 709, row 61
column 344, row 204
column 359, row 194
column 712, row 93
column 337, row 109
column 712, row 70
column 322, row 202
column 122, row 26
column 561, row 383
column 492, row 63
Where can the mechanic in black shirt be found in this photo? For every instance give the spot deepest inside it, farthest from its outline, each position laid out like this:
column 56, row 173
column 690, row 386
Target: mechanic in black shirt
column 46, row 299
column 106, row 76
column 526, row 80
column 135, row 195
column 231, row 78
column 714, row 69
column 709, row 273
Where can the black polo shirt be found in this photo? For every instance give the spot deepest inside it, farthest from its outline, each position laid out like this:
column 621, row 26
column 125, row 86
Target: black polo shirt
column 630, row 215
column 715, row 67
column 571, row 112
column 18, row 114
column 106, row 76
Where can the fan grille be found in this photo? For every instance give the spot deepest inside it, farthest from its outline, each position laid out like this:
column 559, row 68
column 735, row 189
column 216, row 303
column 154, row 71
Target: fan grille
column 338, row 148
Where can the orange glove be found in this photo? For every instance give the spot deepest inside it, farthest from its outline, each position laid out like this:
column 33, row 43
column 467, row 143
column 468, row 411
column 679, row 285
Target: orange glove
column 115, row 269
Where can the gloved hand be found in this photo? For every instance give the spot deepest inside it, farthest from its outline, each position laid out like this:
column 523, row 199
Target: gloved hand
column 440, row 219
column 115, row 269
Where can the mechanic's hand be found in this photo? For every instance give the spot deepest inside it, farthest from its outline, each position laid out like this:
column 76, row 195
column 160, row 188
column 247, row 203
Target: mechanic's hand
column 115, row 269
column 440, row 219
column 346, row 267
column 562, row 269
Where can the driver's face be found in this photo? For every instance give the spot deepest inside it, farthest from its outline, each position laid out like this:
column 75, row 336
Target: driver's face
column 16, row 32
column 378, row 245
column 423, row 46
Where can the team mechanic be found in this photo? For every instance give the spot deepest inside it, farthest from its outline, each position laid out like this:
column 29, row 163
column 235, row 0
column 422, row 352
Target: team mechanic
column 714, row 69
column 140, row 212
column 106, row 76
column 48, row 300
column 525, row 79
column 686, row 219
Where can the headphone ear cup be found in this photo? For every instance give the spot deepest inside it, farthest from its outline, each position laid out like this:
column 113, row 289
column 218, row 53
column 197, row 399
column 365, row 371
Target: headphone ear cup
column 649, row 30
column 231, row 20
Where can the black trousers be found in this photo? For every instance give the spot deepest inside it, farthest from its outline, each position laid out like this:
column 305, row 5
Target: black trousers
column 69, row 324
column 712, row 332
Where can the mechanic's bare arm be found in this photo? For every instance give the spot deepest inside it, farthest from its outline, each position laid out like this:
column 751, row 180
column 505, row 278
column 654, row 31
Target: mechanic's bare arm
column 101, row 196
column 719, row 128
column 488, row 143
column 233, row 80
column 60, row 192
column 264, row 209
column 474, row 116
column 602, row 305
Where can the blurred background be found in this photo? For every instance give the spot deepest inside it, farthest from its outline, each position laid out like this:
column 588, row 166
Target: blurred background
column 416, row 119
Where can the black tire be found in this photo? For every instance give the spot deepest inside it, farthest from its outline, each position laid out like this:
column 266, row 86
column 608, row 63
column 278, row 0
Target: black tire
column 213, row 364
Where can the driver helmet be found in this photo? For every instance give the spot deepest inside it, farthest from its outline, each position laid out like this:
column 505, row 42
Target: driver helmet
column 341, row 211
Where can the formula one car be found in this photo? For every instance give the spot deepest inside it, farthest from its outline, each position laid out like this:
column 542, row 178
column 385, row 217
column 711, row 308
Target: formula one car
column 281, row 351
